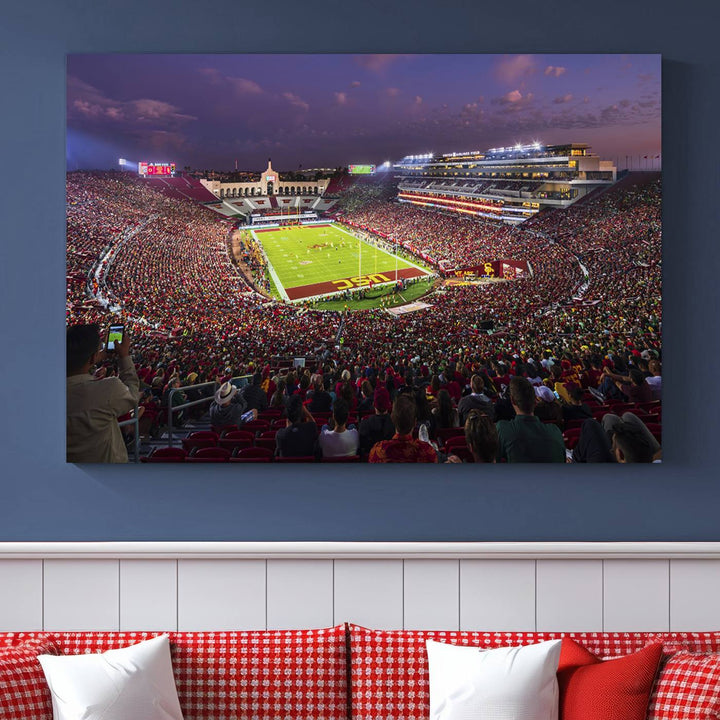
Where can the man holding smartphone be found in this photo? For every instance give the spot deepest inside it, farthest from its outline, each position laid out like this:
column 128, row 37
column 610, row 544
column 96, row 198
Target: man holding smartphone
column 94, row 405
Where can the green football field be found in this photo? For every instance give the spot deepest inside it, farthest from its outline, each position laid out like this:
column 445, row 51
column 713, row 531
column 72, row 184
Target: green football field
column 312, row 261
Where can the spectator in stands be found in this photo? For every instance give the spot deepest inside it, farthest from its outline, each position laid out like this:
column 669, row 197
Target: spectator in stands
column 593, row 445
column 402, row 448
column 228, row 407
column 547, row 407
column 320, row 400
column 299, row 437
column 655, row 378
column 336, row 439
column 255, row 397
column 475, row 400
column 93, row 406
column 365, row 405
column 633, row 443
column 379, row 426
column 481, row 437
column 576, row 409
column 633, row 426
column 279, row 396
column 446, row 416
column 525, row 438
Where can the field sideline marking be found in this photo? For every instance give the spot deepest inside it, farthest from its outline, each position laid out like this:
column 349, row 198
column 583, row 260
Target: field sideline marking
column 271, row 270
column 409, row 262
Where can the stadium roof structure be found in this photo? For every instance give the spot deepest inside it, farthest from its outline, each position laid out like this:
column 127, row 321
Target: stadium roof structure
column 508, row 183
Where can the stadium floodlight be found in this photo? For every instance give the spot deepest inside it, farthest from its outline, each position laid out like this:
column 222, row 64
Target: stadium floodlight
column 122, row 161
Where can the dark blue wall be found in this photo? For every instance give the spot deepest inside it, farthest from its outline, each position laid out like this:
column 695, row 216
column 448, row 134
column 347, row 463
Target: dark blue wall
column 42, row 498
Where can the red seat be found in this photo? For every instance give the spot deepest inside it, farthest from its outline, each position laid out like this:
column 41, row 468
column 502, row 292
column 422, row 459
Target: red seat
column 444, row 434
column 200, row 439
column 651, row 406
column 209, row 454
column 278, row 424
column 252, row 454
column 455, row 441
column 573, row 424
column 222, row 430
column 256, row 426
column 236, row 439
column 656, row 430
column 266, row 442
column 571, row 437
column 343, row 459
column 166, row 455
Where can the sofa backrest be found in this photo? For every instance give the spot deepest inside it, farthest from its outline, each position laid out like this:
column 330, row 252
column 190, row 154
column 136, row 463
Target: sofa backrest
column 389, row 675
column 273, row 675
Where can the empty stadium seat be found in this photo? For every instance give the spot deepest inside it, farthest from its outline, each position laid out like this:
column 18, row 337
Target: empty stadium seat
column 209, row 455
column 200, row 439
column 166, row 455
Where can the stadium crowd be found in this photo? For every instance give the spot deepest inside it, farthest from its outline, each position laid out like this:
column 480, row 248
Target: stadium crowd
column 592, row 302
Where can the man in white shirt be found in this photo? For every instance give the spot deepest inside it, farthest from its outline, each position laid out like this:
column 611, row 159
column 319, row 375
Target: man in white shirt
column 336, row 440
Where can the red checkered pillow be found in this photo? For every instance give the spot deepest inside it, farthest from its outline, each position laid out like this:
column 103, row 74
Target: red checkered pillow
column 254, row 675
column 688, row 688
column 690, row 642
column 389, row 668
column 24, row 692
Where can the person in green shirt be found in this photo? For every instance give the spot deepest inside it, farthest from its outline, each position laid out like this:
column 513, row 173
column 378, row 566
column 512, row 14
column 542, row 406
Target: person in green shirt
column 525, row 438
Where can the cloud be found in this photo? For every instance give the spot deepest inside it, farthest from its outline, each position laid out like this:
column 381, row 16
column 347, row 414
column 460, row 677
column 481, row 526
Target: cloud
column 378, row 63
column 296, row 101
column 418, row 100
column 355, row 83
column 555, row 70
column 243, row 86
column 341, row 98
column 514, row 96
column 563, row 99
column 512, row 69
column 392, row 91
column 87, row 103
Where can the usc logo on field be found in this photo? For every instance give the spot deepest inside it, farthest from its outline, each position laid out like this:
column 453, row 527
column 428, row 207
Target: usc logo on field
column 360, row 281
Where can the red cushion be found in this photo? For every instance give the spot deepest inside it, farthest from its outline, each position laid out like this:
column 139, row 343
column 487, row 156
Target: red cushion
column 688, row 687
column 24, row 692
column 389, row 669
column 243, row 675
column 592, row 689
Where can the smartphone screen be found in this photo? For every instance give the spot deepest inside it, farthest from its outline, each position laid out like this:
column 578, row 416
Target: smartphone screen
column 115, row 335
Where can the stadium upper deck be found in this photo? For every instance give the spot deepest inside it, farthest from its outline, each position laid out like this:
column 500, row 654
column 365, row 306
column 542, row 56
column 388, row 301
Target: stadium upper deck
column 508, row 183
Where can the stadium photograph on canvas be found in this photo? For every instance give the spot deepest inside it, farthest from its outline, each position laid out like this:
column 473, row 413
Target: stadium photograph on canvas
column 363, row 258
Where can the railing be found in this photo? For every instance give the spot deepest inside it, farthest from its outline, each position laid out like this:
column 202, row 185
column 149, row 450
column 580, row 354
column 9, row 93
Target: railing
column 239, row 381
column 134, row 420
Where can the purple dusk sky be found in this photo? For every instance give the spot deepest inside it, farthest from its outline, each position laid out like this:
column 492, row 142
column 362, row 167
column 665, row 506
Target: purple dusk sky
column 208, row 111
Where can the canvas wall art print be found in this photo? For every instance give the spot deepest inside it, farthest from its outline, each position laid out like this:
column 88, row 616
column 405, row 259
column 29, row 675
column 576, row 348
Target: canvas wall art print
column 363, row 258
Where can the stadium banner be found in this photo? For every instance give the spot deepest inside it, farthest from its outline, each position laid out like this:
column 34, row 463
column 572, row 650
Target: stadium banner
column 507, row 269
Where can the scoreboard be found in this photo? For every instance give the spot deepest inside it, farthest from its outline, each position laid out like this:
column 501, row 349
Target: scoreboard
column 361, row 169
column 148, row 168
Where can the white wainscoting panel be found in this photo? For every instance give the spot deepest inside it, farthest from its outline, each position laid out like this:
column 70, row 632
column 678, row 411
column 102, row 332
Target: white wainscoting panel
column 82, row 594
column 635, row 595
column 252, row 586
column 569, row 595
column 148, row 595
column 221, row 594
column 369, row 593
column 497, row 595
column 694, row 595
column 21, row 595
column 431, row 595
column 299, row 594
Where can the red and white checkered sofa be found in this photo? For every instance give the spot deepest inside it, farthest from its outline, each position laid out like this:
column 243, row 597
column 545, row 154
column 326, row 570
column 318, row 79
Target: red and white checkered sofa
column 345, row 672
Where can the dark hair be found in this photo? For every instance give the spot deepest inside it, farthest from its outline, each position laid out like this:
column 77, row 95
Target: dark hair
column 422, row 406
column 367, row 388
column 633, row 443
column 82, row 342
column 477, row 384
column 278, row 398
column 294, row 409
column 636, row 376
column 576, row 393
column 522, row 394
column 341, row 410
column 403, row 414
column 445, row 409
column 481, row 436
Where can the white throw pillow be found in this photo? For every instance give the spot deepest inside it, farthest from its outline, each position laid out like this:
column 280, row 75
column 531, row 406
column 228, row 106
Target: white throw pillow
column 135, row 682
column 513, row 683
